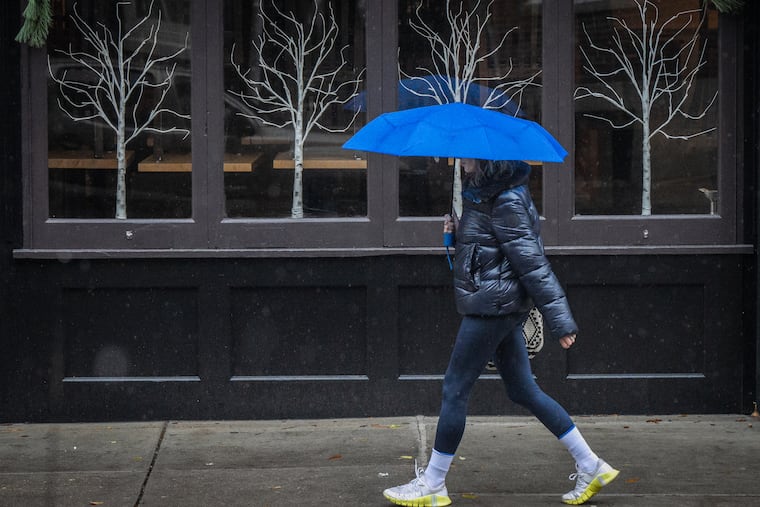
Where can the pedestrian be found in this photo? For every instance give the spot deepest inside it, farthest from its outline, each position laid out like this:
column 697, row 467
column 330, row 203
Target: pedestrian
column 500, row 273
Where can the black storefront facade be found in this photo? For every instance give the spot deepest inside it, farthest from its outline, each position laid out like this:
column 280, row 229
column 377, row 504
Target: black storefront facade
column 208, row 309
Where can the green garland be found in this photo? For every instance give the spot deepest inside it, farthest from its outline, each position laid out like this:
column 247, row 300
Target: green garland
column 728, row 6
column 38, row 16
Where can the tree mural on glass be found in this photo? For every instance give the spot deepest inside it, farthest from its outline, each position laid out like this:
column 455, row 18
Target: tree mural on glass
column 454, row 61
column 301, row 70
column 128, row 86
column 661, row 63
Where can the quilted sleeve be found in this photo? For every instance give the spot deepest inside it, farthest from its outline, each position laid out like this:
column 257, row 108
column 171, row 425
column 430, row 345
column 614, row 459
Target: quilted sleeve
column 517, row 235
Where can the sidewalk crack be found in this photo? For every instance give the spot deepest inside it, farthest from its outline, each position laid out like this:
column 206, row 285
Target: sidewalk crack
column 422, row 451
column 152, row 463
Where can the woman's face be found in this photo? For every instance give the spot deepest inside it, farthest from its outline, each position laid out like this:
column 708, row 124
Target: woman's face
column 470, row 165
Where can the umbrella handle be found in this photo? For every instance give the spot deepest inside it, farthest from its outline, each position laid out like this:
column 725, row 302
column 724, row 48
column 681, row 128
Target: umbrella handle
column 448, row 236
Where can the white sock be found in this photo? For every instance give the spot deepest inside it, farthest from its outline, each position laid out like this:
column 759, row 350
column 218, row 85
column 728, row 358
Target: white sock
column 437, row 468
column 579, row 450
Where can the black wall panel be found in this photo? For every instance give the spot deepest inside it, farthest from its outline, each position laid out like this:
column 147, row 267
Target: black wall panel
column 129, row 332
column 428, row 323
column 274, row 338
column 637, row 329
column 299, row 331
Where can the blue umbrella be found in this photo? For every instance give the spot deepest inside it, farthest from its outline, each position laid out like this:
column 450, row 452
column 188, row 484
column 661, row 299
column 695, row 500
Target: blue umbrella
column 457, row 130
column 421, row 91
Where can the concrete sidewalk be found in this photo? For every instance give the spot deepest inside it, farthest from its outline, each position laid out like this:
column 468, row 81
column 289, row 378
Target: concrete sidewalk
column 694, row 460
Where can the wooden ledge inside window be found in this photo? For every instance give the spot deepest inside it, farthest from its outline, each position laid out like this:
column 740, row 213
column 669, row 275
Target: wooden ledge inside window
column 332, row 161
column 183, row 163
column 85, row 159
column 529, row 162
column 261, row 140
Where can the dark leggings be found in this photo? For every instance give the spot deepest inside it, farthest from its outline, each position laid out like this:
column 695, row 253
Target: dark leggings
column 480, row 339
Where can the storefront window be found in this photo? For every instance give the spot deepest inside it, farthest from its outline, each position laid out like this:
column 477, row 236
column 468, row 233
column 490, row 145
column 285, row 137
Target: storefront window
column 646, row 108
column 264, row 76
column 119, row 110
column 215, row 155
column 497, row 58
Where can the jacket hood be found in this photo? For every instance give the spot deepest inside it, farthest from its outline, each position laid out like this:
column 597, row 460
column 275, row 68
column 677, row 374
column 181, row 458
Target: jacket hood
column 496, row 176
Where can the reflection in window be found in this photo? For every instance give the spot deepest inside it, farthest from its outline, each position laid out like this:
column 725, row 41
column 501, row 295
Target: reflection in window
column 668, row 100
column 261, row 121
column 510, row 49
column 96, row 168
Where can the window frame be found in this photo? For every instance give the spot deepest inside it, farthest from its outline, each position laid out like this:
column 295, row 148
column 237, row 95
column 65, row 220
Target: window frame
column 725, row 228
column 209, row 232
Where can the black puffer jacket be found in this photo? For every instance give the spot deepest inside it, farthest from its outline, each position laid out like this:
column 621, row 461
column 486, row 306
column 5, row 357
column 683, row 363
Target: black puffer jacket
column 500, row 266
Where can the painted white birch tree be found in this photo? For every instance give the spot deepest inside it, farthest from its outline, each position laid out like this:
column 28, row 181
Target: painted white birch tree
column 127, row 77
column 452, row 71
column 300, row 68
column 124, row 82
column 662, row 75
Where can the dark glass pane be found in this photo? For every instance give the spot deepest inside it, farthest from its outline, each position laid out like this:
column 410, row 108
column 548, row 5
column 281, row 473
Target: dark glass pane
column 91, row 93
column 669, row 100
column 513, row 34
column 260, row 149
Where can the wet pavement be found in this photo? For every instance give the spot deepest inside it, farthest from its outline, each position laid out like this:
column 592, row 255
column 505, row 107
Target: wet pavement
column 681, row 460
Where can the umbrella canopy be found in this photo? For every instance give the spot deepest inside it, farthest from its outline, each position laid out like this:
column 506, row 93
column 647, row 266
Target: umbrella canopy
column 457, row 130
column 423, row 90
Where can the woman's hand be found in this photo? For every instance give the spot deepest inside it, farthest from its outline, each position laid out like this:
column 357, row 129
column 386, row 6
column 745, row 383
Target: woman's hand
column 449, row 223
column 567, row 341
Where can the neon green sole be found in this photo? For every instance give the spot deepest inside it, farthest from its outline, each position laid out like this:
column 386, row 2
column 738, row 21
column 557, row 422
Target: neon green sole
column 594, row 487
column 423, row 501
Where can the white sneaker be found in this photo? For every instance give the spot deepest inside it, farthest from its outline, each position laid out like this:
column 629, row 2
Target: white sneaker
column 418, row 494
column 589, row 484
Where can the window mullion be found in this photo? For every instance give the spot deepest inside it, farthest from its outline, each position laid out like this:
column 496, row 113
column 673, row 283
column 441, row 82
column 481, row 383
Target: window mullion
column 208, row 91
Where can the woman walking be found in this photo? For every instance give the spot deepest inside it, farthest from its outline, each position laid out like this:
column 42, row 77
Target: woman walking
column 500, row 272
